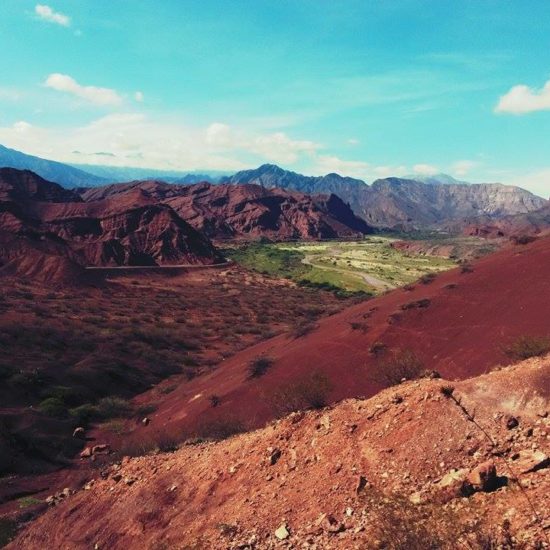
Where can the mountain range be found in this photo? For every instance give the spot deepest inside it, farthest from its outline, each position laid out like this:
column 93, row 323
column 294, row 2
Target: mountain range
column 400, row 203
column 433, row 202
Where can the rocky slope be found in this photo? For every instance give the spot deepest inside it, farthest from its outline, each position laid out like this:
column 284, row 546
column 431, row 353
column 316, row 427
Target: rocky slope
column 426, row 464
column 532, row 223
column 246, row 211
column 403, row 203
column 109, row 232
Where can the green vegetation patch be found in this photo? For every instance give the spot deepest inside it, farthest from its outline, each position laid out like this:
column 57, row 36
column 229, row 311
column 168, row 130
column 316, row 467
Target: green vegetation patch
column 370, row 265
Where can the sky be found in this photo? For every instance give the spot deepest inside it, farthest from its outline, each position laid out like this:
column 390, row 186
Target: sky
column 366, row 88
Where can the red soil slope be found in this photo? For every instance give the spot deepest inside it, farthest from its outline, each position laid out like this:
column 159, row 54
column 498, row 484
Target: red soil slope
column 468, row 318
column 390, row 469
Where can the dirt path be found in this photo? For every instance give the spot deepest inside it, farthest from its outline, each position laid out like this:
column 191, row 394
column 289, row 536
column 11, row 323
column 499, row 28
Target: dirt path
column 378, row 284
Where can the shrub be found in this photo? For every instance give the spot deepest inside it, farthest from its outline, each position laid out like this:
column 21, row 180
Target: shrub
column 523, row 239
column 466, row 268
column 378, row 348
column 112, row 407
column 363, row 327
column 400, row 366
column 221, row 428
column 53, row 406
column 301, row 329
column 259, row 366
column 8, row 530
column 428, row 278
column 419, row 304
column 84, row 414
column 525, row 347
column 308, row 392
column 144, row 410
column 215, row 400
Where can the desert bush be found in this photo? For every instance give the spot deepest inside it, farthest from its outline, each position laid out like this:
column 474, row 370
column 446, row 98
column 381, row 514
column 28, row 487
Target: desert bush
column 397, row 524
column 148, row 408
column 84, row 414
column 523, row 239
column 303, row 328
column 401, row 365
column 418, row 304
column 215, row 400
column 378, row 348
column 526, row 346
column 363, row 327
column 466, row 268
column 8, row 530
column 308, row 392
column 428, row 278
column 112, row 407
column 219, row 429
column 259, row 366
column 53, row 406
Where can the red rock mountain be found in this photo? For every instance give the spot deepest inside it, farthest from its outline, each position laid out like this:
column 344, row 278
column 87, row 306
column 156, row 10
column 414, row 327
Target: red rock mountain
column 245, row 211
column 51, row 222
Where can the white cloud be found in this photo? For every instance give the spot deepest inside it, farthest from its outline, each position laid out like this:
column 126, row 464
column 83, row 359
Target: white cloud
column 280, row 148
column 92, row 94
column 327, row 164
column 353, row 141
column 537, row 182
column 388, row 171
column 219, row 134
column 425, row 169
column 462, row 167
column 522, row 99
column 132, row 139
column 48, row 14
column 139, row 97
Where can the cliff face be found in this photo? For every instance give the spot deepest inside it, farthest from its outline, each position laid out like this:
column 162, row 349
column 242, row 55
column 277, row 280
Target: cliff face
column 111, row 232
column 251, row 211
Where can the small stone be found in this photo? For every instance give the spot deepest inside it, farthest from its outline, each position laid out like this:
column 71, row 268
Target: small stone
column 79, row 433
column 361, row 484
column 146, row 421
column 86, row 453
column 282, row 532
column 511, row 422
column 274, row 456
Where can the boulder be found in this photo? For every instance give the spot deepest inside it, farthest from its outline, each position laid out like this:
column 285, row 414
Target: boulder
column 482, row 478
column 101, row 449
column 529, row 461
column 86, row 453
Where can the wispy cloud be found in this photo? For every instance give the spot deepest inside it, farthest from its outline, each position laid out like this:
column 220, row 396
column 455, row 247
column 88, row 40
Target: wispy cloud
column 425, row 169
column 46, row 13
column 462, row 167
column 91, row 94
column 326, row 164
column 522, row 99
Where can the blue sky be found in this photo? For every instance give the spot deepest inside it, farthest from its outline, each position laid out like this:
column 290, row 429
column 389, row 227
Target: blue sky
column 364, row 88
